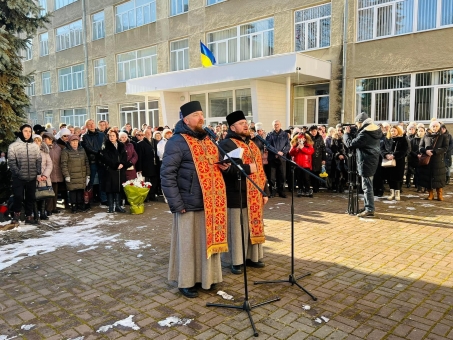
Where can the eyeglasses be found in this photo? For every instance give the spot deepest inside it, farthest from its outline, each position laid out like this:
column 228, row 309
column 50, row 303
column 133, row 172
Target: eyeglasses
column 65, row 136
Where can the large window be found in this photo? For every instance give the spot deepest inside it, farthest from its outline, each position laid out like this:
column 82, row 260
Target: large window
column 312, row 28
column 311, row 104
column 137, row 64
column 408, row 97
column 69, row 36
column 98, row 25
column 43, row 5
column 385, row 18
column 136, row 114
column 179, row 55
column 29, row 51
column 75, row 117
column 71, row 78
column 100, row 72
column 102, row 113
column 134, row 13
column 46, row 84
column 244, row 42
column 44, row 44
column 178, row 6
column 62, row 3
column 48, row 117
column 30, row 89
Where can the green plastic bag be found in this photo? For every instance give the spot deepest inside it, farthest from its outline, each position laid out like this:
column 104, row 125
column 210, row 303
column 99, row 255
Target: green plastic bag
column 136, row 196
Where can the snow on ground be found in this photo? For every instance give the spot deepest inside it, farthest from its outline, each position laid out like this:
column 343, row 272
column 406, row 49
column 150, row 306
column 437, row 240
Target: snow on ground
column 174, row 321
column 133, row 244
column 125, row 323
column 5, row 337
column 84, row 233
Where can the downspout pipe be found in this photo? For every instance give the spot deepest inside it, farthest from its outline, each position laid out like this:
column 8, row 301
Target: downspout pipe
column 85, row 52
column 345, row 46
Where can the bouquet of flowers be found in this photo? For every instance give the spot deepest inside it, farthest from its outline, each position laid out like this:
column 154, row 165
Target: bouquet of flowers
column 136, row 192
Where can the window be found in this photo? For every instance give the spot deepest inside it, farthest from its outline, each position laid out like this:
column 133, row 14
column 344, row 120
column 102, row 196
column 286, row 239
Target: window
column 213, row 2
column 313, row 27
column 178, row 7
column 98, row 25
column 243, row 42
column 48, row 117
column 75, row 117
column 100, row 72
column 387, row 18
column 33, row 118
column 62, row 3
column 408, row 97
column 179, row 55
column 30, row 89
column 136, row 114
column 134, row 13
column 71, row 78
column 136, row 64
column 44, row 44
column 43, row 5
column 69, row 36
column 311, row 104
column 46, row 85
column 29, row 51
column 102, row 113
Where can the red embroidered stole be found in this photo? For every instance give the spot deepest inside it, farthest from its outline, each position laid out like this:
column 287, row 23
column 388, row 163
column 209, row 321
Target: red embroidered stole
column 205, row 154
column 252, row 154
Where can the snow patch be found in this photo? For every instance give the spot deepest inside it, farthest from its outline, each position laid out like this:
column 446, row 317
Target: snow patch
column 410, row 196
column 174, row 321
column 84, row 250
column 5, row 337
column 225, row 295
column 78, row 338
column 367, row 220
column 139, row 255
column 125, row 323
column 389, row 202
column 306, row 307
column 133, row 244
column 410, row 208
column 27, row 327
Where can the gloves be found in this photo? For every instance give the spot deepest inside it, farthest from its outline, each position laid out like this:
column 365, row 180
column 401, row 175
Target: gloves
column 68, row 179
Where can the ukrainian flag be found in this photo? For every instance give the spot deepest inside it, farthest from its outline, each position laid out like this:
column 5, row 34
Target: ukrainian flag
column 207, row 58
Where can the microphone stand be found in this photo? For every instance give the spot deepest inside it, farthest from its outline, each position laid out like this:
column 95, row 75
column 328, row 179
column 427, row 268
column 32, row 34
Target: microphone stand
column 292, row 278
column 246, row 306
column 353, row 197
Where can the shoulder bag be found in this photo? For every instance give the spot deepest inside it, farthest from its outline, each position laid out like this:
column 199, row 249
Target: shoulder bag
column 424, row 158
column 389, row 163
column 44, row 192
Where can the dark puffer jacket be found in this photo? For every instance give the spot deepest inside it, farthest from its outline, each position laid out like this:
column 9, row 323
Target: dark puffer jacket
column 367, row 146
column 412, row 158
column 111, row 157
column 280, row 141
column 75, row 165
column 320, row 152
column 397, row 147
column 24, row 159
column 179, row 178
column 433, row 175
column 92, row 143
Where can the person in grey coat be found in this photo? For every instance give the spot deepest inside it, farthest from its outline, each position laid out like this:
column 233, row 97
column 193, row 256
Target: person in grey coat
column 366, row 143
column 24, row 161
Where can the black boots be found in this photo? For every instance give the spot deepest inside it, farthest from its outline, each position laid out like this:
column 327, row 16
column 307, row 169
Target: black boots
column 42, row 212
column 118, row 200
column 110, row 202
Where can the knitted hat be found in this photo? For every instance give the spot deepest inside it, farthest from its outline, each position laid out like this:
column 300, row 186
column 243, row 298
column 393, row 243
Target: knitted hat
column 361, row 117
column 73, row 137
column 36, row 136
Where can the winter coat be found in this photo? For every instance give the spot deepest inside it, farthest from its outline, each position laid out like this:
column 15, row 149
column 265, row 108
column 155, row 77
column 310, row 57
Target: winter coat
column 320, row 152
column 46, row 165
column 75, row 165
column 330, row 161
column 178, row 175
column 450, row 149
column 338, row 149
column 412, row 158
column 92, row 143
column 132, row 158
column 396, row 146
column 24, row 159
column 61, row 143
column 433, row 175
column 111, row 157
column 280, row 141
column 303, row 157
column 367, row 146
column 55, row 154
column 259, row 144
column 147, row 161
column 230, row 176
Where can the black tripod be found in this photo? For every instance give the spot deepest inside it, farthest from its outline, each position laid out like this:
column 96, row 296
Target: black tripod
column 354, row 184
column 292, row 278
column 246, row 306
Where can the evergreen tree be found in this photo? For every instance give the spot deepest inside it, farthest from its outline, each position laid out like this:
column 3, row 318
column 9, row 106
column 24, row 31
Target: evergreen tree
column 19, row 22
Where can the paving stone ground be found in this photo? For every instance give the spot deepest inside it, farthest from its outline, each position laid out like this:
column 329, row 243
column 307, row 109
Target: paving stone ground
column 383, row 278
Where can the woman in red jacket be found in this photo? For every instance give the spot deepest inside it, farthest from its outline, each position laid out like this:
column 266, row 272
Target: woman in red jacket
column 301, row 152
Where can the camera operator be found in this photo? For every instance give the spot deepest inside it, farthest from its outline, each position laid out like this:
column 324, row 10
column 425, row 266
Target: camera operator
column 366, row 144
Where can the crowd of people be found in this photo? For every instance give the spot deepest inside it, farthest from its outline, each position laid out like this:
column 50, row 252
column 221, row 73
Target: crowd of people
column 184, row 165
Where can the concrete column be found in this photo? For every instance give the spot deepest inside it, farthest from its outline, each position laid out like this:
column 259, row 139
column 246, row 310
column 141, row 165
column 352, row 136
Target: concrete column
column 288, row 101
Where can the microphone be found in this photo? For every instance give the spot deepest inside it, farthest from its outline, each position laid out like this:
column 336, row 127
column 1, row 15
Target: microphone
column 210, row 132
column 262, row 140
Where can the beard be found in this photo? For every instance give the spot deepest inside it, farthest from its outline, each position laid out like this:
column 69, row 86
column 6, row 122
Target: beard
column 244, row 133
column 199, row 130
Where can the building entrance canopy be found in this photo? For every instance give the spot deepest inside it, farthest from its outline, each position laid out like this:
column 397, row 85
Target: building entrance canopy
column 263, row 75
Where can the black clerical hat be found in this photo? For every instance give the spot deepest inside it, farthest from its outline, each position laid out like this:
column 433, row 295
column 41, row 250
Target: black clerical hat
column 190, row 107
column 234, row 117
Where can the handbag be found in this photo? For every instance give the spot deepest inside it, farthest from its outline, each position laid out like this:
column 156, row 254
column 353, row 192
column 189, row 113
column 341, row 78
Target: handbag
column 424, row 158
column 44, row 192
column 388, row 163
